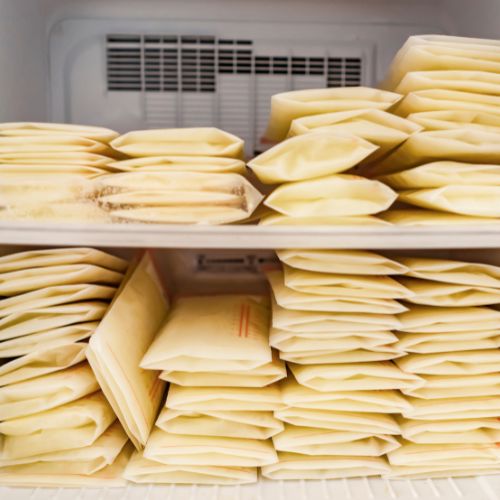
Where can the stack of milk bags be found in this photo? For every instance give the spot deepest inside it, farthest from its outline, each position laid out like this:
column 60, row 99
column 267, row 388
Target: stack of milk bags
column 452, row 169
column 56, row 427
column 453, row 339
column 189, row 175
column 218, row 417
column 330, row 131
column 332, row 319
column 46, row 170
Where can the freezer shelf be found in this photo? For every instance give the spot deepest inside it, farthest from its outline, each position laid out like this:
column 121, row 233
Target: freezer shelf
column 472, row 488
column 230, row 237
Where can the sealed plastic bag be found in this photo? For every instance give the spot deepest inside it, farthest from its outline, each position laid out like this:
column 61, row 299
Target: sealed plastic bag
column 212, row 333
column 46, row 392
column 341, row 262
column 309, row 441
column 277, row 219
column 379, row 401
column 66, row 427
column 309, row 156
column 354, row 377
column 298, row 466
column 50, row 143
column 288, row 106
column 41, row 362
column 421, row 217
column 474, row 362
column 43, row 172
column 55, row 158
column 427, row 319
column 142, row 470
column 172, row 449
column 433, row 471
column 207, row 141
column 201, row 399
column 336, row 195
column 453, row 119
column 241, row 424
column 120, row 342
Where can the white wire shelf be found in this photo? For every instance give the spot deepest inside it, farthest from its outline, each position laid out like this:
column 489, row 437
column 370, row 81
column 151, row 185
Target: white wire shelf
column 470, row 488
column 246, row 236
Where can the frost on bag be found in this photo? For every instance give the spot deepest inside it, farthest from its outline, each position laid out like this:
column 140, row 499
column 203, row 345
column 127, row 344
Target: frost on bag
column 204, row 141
column 354, row 376
column 444, row 173
column 380, row 128
column 201, row 399
column 452, row 271
column 119, row 343
column 481, row 201
column 203, row 164
column 298, row 466
column 177, row 197
column 428, row 319
column 469, row 146
column 220, row 333
column 142, row 470
column 310, row 155
column 289, row 298
column 69, row 426
column 175, row 449
column 422, row 217
column 46, row 392
column 379, row 401
column 242, row 424
column 354, row 262
column 474, row 431
column 288, row 106
column 335, row 195
column 309, row 441
column 453, row 119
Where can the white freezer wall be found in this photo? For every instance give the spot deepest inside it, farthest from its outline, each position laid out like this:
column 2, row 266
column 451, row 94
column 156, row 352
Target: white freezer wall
column 26, row 27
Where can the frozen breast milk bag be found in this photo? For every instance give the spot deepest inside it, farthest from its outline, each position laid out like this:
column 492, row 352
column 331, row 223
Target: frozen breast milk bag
column 341, row 262
column 480, row 82
column 451, row 271
column 46, row 159
column 36, row 320
column 379, row 401
column 208, row 450
column 481, row 201
column 474, row 431
column 46, row 392
column 255, row 377
column 50, row 143
column 41, row 171
column 326, row 322
column 452, row 363
column 288, row 106
column 344, row 285
column 336, row 195
column 443, row 173
column 212, row 333
column 427, row 319
column 100, row 134
column 293, row 299
column 47, row 339
column 54, row 296
column 298, row 466
column 242, row 424
column 60, row 256
column 453, row 119
column 354, row 376
column 277, row 219
column 142, row 470
column 26, row 280
column 206, row 141
column 203, row 164
column 119, row 343
column 73, row 425
column 310, row 155
column 448, row 294
column 41, row 362
column 310, row 441
column 371, row 423
column 201, row 399
column 421, row 217
column 462, row 145
column 322, row 356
